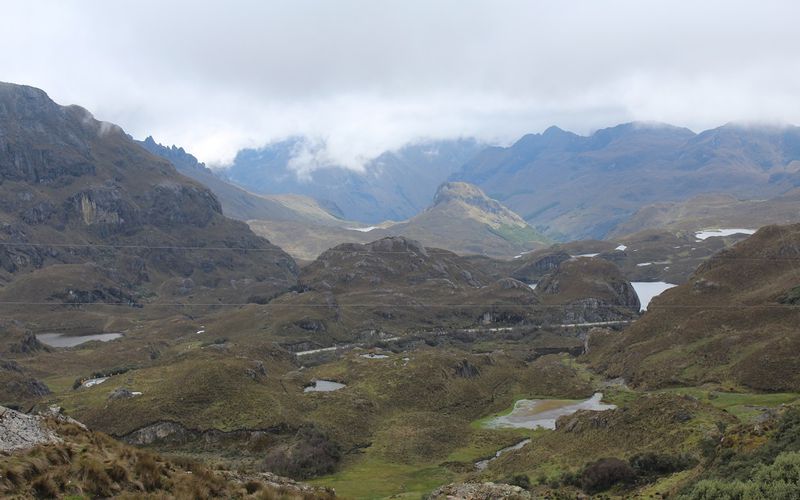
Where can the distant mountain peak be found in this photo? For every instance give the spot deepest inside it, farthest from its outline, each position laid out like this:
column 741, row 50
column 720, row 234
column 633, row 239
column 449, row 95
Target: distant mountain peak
column 474, row 198
column 465, row 191
column 554, row 130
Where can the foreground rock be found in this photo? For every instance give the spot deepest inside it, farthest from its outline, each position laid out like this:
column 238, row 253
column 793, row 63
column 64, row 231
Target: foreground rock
column 53, row 456
column 20, row 431
column 479, row 491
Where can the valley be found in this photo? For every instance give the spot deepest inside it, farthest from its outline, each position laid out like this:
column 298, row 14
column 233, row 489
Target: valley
column 307, row 355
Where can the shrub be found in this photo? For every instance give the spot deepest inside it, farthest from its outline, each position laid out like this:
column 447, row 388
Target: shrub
column 310, row 453
column 657, row 464
column 781, row 479
column 117, row 472
column 520, row 480
column 605, row 473
column 252, row 486
column 148, row 472
column 94, row 476
column 45, row 487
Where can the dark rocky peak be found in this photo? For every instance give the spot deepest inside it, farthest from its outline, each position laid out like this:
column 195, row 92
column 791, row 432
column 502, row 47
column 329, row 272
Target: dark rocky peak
column 584, row 278
column 62, row 170
column 24, row 102
column 176, row 155
column 393, row 260
column 397, row 244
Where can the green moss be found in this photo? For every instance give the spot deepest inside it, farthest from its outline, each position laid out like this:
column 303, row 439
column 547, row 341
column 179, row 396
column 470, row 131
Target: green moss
column 372, row 477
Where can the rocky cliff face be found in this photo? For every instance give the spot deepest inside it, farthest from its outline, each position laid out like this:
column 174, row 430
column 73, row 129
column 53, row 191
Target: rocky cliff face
column 77, row 191
column 588, row 290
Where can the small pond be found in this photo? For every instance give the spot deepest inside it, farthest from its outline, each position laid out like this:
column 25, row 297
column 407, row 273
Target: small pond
column 646, row 290
column 94, row 381
column 702, row 235
column 324, row 386
column 543, row 413
column 61, row 340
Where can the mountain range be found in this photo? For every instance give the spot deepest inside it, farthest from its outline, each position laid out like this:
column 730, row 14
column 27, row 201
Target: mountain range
column 565, row 185
column 396, row 185
column 574, row 187
column 237, row 203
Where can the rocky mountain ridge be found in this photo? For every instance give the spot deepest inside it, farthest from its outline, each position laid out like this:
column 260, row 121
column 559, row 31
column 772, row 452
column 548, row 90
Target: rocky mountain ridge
column 86, row 208
column 576, row 187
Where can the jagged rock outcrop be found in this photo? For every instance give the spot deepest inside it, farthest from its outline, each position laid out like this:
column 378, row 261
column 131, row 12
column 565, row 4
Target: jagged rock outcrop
column 19, row 431
column 534, row 266
column 28, row 345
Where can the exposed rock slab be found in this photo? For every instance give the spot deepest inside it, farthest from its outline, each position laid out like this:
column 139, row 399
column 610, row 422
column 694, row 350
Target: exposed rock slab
column 19, row 431
column 479, row 491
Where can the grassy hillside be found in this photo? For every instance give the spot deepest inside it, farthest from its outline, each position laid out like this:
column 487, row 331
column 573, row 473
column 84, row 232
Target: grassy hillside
column 733, row 322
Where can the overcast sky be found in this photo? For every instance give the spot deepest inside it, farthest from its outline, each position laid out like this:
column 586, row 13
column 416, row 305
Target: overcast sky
column 367, row 76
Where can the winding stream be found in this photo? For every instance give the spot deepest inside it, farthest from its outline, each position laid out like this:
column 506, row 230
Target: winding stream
column 482, row 464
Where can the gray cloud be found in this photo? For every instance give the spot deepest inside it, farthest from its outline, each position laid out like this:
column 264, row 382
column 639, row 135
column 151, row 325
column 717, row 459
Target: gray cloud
column 366, row 76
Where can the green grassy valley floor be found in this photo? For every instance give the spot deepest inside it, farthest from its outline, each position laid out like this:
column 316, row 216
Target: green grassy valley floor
column 404, row 424
column 370, row 475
